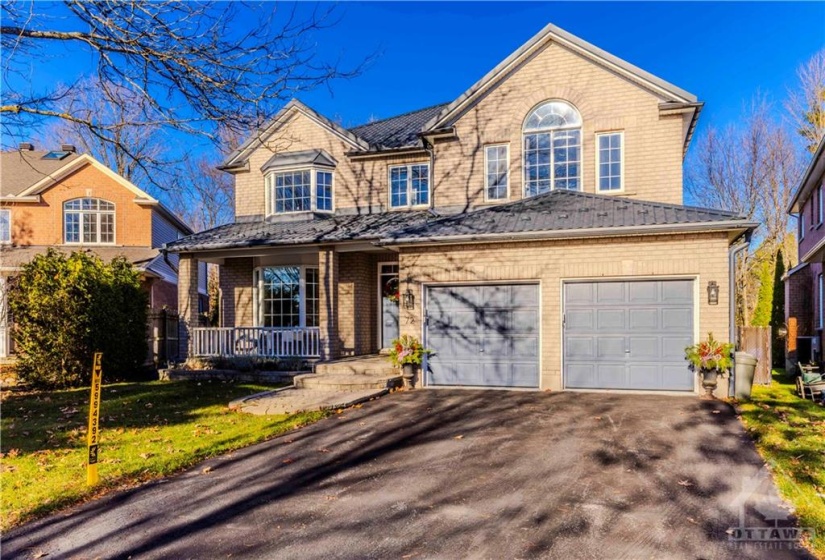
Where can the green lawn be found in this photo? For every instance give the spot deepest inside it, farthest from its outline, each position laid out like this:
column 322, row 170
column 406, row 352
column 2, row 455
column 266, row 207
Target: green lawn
column 148, row 430
column 790, row 435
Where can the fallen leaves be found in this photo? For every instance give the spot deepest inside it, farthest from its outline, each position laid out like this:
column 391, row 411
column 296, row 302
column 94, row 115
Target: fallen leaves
column 459, row 437
column 206, row 470
column 685, row 483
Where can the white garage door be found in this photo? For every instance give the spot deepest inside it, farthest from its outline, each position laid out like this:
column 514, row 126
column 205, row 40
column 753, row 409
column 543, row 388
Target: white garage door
column 628, row 335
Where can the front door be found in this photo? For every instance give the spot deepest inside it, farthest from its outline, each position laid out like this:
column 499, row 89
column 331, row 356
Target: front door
column 389, row 289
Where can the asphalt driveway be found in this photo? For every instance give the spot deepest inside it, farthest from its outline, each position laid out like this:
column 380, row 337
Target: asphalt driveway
column 451, row 474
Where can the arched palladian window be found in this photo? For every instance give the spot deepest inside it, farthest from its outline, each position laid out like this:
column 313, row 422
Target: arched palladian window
column 552, row 148
column 88, row 220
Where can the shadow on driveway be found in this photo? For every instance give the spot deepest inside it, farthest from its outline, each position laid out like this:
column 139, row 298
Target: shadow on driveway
column 448, row 474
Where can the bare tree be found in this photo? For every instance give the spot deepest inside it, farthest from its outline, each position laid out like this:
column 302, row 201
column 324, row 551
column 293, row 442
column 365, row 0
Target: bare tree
column 752, row 169
column 198, row 67
column 806, row 103
column 125, row 136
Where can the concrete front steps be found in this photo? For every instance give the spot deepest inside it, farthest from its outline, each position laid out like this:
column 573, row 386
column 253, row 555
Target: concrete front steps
column 335, row 384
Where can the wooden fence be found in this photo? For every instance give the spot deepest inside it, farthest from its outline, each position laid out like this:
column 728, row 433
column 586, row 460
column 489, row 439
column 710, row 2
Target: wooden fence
column 162, row 337
column 757, row 342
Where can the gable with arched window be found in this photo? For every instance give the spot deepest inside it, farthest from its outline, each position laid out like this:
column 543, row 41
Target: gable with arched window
column 552, row 148
column 88, row 220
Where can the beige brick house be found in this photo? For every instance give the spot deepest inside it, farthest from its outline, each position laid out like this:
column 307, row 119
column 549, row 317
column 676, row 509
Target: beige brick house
column 70, row 201
column 531, row 232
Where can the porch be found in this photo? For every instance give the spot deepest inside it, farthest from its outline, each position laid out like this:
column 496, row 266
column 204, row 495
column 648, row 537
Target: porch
column 263, row 342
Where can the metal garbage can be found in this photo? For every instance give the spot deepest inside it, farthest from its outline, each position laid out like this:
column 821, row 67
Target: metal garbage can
column 744, row 368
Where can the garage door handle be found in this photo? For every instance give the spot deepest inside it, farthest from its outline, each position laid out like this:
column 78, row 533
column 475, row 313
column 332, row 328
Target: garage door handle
column 627, row 351
column 481, row 349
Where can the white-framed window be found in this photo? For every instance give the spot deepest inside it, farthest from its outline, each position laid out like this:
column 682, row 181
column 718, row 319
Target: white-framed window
column 88, row 220
column 5, row 225
column 820, row 210
column 610, row 161
column 409, row 185
column 802, row 223
column 552, row 148
column 299, row 190
column 820, row 307
column 497, row 172
column 286, row 296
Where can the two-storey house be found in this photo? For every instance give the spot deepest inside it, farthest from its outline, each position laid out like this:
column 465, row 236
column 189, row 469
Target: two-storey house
column 804, row 284
column 531, row 232
column 70, row 201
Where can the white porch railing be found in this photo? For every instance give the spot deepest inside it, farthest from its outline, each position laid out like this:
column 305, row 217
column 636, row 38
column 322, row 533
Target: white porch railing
column 268, row 342
column 5, row 341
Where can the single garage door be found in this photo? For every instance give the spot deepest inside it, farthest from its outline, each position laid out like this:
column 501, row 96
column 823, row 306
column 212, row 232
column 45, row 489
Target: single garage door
column 485, row 335
column 628, row 335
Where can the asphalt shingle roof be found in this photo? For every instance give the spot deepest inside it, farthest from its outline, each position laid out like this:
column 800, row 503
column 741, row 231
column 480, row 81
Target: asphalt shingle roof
column 304, row 157
column 321, row 228
column 400, row 131
column 23, row 168
column 562, row 210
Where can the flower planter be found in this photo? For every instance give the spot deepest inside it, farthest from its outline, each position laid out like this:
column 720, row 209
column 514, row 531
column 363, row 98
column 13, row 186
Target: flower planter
column 408, row 374
column 710, row 379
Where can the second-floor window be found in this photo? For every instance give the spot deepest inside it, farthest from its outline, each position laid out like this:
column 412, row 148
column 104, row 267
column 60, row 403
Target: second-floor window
column 802, row 223
column 552, row 148
column 5, row 225
column 820, row 310
column 88, row 220
column 609, row 161
column 409, row 185
column 497, row 176
column 819, row 210
column 301, row 190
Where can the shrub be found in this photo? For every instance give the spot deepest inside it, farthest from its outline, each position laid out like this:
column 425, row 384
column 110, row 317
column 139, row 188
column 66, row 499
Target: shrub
column 66, row 308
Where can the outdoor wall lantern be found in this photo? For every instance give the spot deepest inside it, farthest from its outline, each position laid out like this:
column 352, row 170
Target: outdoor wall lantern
column 713, row 293
column 408, row 298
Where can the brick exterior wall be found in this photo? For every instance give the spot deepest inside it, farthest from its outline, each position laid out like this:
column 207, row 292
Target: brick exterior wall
column 237, row 293
column 358, row 303
column 801, row 310
column 42, row 223
column 187, row 300
column 653, row 144
column 328, row 280
column 703, row 256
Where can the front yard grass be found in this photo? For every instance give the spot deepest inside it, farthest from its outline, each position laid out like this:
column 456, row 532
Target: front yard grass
column 147, row 430
column 790, row 435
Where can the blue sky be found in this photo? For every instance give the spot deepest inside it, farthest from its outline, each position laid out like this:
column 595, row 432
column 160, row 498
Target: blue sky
column 429, row 53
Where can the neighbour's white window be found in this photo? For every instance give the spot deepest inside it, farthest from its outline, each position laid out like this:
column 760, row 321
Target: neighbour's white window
column 552, row 148
column 301, row 190
column 88, row 220
column 286, row 296
column 5, row 225
column 820, row 315
column 497, row 166
column 410, row 185
column 802, row 223
column 819, row 209
column 609, row 161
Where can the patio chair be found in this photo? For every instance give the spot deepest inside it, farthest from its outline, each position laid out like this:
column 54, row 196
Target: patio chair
column 810, row 383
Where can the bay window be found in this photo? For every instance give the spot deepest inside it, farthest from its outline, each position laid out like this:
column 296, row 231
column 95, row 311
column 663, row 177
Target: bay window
column 299, row 190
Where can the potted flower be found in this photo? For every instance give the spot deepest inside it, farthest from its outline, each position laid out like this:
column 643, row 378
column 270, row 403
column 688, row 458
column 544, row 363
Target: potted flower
column 710, row 358
column 407, row 353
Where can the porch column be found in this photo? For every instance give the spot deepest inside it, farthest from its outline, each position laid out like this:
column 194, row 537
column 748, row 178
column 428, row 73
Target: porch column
column 328, row 302
column 187, row 301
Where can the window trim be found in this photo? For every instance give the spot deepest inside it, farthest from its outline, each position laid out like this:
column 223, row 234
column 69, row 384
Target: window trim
column 113, row 212
column 621, row 162
column 802, row 223
column 820, row 308
column 820, row 207
column 409, row 167
column 257, row 300
column 7, row 211
column 269, row 200
column 506, row 197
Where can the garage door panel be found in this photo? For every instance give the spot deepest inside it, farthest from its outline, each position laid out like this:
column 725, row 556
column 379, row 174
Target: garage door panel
column 611, row 319
column 644, row 319
column 610, row 347
column 610, row 292
column 644, row 348
column 580, row 320
column 658, row 325
column 484, row 335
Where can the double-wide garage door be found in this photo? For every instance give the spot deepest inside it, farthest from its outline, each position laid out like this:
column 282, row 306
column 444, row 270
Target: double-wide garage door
column 628, row 335
column 484, row 335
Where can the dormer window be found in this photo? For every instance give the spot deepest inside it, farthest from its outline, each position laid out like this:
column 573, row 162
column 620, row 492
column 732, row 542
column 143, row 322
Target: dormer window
column 552, row 148
column 88, row 220
column 299, row 182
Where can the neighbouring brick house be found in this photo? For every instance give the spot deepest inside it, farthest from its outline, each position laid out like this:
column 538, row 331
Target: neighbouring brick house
column 531, row 232
column 804, row 284
column 70, row 201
